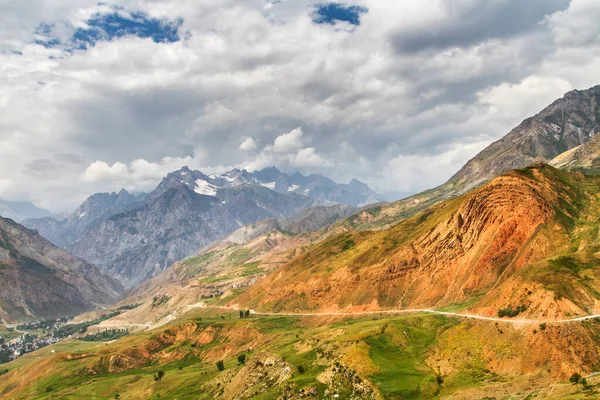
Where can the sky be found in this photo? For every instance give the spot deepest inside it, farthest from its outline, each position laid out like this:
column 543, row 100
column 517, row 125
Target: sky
column 399, row 94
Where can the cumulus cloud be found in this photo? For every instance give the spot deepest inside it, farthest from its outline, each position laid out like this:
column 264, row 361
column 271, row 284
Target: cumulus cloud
column 231, row 82
column 308, row 158
column 101, row 171
column 288, row 141
column 248, row 144
column 287, row 153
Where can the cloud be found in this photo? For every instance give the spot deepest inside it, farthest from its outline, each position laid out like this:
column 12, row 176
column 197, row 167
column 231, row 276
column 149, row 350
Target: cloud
column 464, row 23
column 101, row 171
column 308, row 157
column 381, row 101
column 287, row 153
column 288, row 141
column 248, row 144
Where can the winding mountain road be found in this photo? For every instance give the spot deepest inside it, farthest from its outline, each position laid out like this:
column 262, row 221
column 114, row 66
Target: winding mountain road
column 419, row 310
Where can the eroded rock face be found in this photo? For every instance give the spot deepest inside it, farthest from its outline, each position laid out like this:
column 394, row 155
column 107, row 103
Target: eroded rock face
column 449, row 254
column 260, row 372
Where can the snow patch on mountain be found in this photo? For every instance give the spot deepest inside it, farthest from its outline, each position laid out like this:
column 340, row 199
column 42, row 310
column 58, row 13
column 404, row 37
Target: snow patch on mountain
column 205, row 188
column 270, row 185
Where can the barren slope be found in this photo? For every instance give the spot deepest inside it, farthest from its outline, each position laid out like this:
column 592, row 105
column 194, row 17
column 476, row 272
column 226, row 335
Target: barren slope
column 38, row 280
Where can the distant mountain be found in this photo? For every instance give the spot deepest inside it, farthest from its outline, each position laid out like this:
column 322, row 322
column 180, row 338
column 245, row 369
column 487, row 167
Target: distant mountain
column 187, row 211
column 322, row 189
column 39, row 280
column 94, row 209
column 307, row 220
column 19, row 210
column 135, row 237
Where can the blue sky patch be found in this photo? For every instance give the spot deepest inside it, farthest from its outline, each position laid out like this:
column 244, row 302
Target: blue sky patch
column 331, row 13
column 108, row 26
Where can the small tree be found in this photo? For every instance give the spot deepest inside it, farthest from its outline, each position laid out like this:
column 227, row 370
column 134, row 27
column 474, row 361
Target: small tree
column 585, row 384
column 242, row 358
column 117, row 396
column 300, row 369
column 241, row 314
column 575, row 378
column 247, row 313
column 159, row 375
column 220, row 365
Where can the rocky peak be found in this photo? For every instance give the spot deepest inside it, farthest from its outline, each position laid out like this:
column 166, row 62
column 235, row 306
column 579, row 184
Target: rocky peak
column 357, row 186
column 566, row 123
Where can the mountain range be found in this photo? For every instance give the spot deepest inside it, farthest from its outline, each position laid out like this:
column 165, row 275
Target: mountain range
column 134, row 237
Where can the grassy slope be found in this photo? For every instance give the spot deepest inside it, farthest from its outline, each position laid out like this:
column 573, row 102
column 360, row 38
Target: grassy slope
column 191, row 372
column 393, row 358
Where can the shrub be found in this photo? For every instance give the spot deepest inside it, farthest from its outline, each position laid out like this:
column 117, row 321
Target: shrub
column 511, row 312
column 542, row 327
column 439, row 379
column 129, row 307
column 575, row 378
column 158, row 301
column 220, row 365
column 300, row 369
column 159, row 375
column 585, row 384
column 242, row 358
column 106, row 335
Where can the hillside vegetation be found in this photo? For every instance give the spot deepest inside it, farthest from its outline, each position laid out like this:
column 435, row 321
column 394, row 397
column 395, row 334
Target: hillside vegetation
column 291, row 357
